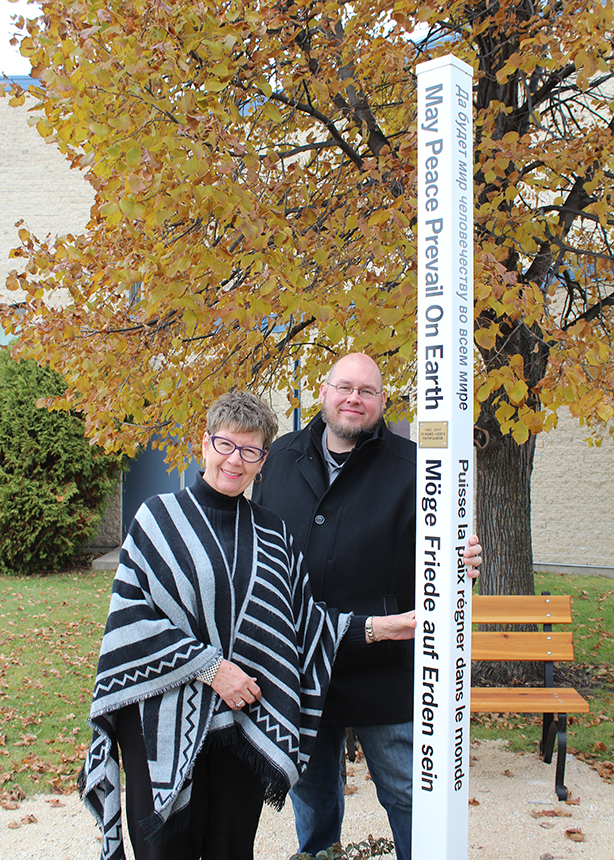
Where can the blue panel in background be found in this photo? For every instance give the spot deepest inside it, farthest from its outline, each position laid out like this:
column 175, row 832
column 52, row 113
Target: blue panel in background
column 148, row 476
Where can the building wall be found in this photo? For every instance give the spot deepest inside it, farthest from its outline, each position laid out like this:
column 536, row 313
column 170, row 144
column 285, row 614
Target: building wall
column 110, row 530
column 572, row 505
column 573, row 485
column 36, row 185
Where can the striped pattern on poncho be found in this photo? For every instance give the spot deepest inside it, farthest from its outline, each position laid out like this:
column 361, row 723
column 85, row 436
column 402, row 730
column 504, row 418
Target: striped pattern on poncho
column 178, row 603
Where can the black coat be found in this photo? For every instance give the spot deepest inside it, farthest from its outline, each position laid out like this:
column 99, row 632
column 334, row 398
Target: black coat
column 358, row 538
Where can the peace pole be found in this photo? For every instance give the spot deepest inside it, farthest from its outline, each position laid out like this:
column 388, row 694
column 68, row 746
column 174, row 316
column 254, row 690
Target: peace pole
column 444, row 484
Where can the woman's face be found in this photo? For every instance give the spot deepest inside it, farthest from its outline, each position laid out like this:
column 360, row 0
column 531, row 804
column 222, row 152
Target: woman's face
column 230, row 474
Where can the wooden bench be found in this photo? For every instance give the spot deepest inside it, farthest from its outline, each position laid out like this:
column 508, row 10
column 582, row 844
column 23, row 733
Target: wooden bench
column 545, row 646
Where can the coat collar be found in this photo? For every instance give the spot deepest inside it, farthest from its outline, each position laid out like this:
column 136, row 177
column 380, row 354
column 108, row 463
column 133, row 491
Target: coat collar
column 307, row 443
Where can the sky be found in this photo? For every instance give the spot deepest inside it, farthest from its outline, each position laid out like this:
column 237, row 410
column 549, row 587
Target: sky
column 11, row 61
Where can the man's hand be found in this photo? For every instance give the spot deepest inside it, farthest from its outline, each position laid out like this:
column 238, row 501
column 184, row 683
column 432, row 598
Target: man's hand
column 401, row 626
column 473, row 556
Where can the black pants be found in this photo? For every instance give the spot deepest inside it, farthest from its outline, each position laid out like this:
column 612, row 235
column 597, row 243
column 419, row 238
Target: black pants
column 225, row 807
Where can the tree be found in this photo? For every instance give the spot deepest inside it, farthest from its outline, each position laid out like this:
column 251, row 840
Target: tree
column 254, row 167
column 53, row 483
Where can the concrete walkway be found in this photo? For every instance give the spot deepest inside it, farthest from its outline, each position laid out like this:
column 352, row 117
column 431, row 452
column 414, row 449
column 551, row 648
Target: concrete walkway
column 108, row 561
column 513, row 813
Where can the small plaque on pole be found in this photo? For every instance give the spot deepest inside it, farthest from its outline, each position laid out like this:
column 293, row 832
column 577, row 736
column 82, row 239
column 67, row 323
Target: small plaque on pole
column 445, row 460
column 432, row 434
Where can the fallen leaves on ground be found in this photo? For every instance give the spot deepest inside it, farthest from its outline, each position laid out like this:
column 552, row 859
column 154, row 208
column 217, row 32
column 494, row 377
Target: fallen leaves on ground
column 605, row 769
column 26, row 740
column 575, row 834
column 505, row 721
column 473, row 801
column 61, row 777
column 550, row 813
column 30, row 818
column 13, row 794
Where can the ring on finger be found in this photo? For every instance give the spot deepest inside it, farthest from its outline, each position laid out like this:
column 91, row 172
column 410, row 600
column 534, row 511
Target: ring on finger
column 240, row 703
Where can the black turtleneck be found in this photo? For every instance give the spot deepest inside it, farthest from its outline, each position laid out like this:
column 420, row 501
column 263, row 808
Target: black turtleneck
column 221, row 511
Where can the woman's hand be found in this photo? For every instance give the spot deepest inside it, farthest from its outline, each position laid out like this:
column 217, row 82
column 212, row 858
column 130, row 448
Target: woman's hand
column 402, row 626
column 234, row 686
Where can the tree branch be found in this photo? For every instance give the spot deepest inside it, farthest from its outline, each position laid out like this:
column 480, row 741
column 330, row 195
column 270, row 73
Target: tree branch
column 326, row 122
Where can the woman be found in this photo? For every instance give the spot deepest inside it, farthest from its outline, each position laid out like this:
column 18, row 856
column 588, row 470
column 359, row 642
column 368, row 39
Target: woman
column 214, row 663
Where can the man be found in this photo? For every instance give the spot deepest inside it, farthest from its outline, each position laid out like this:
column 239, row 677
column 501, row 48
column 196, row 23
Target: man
column 345, row 485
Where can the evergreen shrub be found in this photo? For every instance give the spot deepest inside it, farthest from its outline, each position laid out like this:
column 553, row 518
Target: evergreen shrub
column 53, row 484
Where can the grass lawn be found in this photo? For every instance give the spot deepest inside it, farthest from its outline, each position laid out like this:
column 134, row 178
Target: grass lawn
column 50, row 632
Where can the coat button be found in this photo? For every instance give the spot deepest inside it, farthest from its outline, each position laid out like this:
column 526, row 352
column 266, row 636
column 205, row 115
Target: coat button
column 320, row 519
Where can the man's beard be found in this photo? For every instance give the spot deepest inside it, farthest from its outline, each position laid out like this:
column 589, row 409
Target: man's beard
column 342, row 430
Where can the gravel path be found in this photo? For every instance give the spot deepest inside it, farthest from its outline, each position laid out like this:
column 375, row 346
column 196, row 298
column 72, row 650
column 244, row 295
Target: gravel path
column 508, row 791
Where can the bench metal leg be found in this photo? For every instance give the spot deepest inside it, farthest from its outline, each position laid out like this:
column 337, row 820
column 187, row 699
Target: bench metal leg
column 546, row 745
column 561, row 791
column 555, row 728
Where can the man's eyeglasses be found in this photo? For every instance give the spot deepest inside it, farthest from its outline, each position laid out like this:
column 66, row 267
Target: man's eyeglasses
column 248, row 453
column 346, row 390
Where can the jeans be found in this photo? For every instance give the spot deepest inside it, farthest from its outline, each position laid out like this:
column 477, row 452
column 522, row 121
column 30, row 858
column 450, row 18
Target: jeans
column 318, row 797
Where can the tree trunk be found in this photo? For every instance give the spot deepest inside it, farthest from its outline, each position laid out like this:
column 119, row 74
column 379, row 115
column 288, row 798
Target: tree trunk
column 503, row 513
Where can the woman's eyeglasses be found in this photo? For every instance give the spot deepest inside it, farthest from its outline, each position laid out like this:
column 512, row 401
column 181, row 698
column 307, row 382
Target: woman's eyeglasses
column 247, row 452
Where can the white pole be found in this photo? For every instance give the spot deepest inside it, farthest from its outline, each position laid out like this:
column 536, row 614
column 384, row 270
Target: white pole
column 445, row 459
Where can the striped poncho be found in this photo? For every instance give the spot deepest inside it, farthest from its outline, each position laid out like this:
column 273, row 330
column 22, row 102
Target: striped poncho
column 177, row 604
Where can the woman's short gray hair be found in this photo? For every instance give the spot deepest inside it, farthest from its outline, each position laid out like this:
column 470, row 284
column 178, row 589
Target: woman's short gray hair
column 243, row 412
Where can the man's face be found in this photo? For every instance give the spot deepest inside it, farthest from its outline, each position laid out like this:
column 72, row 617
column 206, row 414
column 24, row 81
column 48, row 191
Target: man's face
column 347, row 414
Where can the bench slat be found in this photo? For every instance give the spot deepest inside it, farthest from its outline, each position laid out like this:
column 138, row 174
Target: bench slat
column 506, row 645
column 527, row 700
column 521, row 609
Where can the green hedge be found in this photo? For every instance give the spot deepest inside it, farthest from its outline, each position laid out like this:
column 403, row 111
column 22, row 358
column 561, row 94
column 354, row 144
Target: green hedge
column 53, row 484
